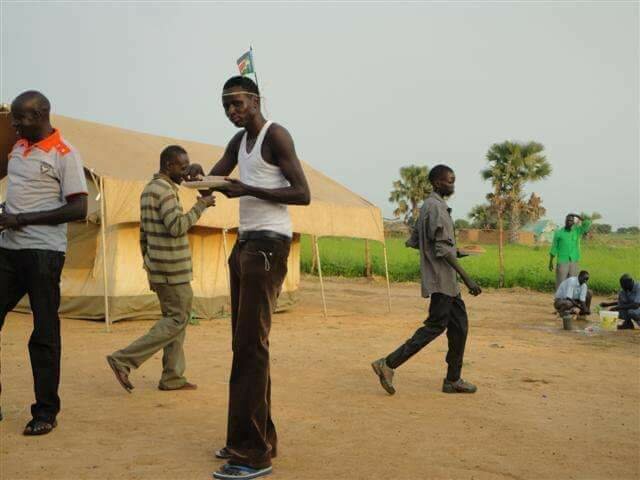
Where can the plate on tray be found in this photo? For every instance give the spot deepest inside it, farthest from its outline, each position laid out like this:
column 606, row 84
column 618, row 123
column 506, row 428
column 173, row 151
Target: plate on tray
column 207, row 183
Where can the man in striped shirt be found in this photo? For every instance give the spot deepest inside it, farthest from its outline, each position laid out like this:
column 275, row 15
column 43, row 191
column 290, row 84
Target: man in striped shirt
column 167, row 259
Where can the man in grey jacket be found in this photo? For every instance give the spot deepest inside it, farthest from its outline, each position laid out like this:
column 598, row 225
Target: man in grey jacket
column 433, row 235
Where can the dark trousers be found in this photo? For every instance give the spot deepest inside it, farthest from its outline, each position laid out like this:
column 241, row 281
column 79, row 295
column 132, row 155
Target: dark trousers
column 37, row 273
column 563, row 305
column 629, row 315
column 445, row 313
column 257, row 271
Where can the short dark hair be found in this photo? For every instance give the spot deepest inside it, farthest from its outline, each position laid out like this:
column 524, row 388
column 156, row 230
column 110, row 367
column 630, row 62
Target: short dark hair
column 626, row 280
column 437, row 172
column 41, row 102
column 244, row 82
column 583, row 273
column 169, row 154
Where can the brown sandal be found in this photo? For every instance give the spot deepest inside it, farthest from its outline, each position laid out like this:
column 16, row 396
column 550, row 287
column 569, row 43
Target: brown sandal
column 121, row 376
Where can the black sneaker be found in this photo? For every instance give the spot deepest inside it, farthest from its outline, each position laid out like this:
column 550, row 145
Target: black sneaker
column 459, row 386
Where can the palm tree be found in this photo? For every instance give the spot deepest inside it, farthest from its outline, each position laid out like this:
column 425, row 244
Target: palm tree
column 511, row 165
column 593, row 217
column 482, row 216
column 408, row 192
column 532, row 210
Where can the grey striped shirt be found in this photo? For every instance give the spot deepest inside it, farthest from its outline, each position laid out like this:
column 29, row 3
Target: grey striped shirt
column 163, row 232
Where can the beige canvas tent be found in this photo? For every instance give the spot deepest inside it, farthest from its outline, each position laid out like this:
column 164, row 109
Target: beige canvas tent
column 103, row 259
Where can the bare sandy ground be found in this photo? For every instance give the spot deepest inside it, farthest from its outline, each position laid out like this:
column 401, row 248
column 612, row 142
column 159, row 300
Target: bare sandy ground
column 551, row 404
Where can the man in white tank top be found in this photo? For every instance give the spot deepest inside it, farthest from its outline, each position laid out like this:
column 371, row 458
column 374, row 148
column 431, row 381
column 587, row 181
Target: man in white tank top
column 271, row 177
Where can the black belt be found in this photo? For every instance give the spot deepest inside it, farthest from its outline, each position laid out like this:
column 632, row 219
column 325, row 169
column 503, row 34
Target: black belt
column 263, row 235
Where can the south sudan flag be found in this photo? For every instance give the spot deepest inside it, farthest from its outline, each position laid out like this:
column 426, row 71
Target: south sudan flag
column 245, row 64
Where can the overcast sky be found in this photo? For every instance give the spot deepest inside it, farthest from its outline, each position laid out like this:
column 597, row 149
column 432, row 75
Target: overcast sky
column 364, row 88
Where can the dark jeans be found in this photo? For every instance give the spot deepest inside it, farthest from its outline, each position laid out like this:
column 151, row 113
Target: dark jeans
column 257, row 271
column 628, row 316
column 445, row 313
column 37, row 274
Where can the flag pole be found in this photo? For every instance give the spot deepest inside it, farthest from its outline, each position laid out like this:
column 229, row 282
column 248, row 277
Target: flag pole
column 253, row 64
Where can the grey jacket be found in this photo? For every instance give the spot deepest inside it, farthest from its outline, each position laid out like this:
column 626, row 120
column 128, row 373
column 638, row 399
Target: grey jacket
column 434, row 236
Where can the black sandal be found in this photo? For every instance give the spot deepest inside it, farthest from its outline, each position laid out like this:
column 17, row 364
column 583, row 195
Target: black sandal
column 39, row 427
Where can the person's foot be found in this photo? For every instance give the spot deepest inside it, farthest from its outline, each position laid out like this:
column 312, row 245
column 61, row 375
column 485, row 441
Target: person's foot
column 459, row 386
column 235, row 472
column 385, row 374
column 626, row 325
column 186, row 386
column 223, row 453
column 121, row 375
column 39, row 427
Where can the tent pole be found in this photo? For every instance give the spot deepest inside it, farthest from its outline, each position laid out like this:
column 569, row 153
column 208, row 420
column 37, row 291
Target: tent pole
column 226, row 261
column 386, row 271
column 368, row 271
column 103, row 228
column 314, row 255
column 324, row 301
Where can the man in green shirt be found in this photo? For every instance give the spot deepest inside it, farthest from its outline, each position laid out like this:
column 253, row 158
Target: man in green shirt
column 566, row 247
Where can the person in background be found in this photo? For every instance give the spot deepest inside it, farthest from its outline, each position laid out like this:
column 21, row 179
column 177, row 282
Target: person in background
column 573, row 294
column 433, row 235
column 167, row 259
column 628, row 304
column 565, row 247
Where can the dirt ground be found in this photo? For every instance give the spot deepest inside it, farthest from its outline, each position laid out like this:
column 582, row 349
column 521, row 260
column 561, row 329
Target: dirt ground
column 551, row 404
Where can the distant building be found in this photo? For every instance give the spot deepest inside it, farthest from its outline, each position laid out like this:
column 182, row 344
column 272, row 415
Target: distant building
column 542, row 230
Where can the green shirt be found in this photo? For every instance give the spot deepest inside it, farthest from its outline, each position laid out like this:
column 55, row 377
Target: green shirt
column 566, row 244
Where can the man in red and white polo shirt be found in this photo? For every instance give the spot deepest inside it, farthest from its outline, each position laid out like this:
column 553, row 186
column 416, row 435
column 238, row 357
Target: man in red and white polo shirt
column 46, row 189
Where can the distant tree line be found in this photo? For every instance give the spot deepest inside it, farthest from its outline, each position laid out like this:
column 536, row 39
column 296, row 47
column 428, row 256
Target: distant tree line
column 511, row 165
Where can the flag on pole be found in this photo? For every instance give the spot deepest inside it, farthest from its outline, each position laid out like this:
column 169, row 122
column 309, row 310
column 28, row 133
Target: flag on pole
column 245, row 64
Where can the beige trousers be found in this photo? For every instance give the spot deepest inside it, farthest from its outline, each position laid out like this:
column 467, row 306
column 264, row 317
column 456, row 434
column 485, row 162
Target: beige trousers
column 167, row 334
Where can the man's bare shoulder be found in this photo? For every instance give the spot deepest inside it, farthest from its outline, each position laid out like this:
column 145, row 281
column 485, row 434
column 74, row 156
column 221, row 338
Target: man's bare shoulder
column 236, row 139
column 278, row 134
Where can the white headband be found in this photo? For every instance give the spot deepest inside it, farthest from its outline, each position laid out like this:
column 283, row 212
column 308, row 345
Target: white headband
column 238, row 93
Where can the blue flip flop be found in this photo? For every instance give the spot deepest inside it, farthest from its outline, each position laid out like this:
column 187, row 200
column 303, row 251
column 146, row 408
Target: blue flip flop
column 235, row 472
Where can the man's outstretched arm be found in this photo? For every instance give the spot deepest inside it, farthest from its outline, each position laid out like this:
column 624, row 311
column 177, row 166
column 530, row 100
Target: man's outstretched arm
column 222, row 167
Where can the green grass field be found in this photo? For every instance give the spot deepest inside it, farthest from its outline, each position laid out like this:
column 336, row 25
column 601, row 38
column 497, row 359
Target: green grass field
column 606, row 258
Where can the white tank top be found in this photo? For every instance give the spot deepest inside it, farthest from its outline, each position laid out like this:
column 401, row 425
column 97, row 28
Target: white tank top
column 257, row 214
